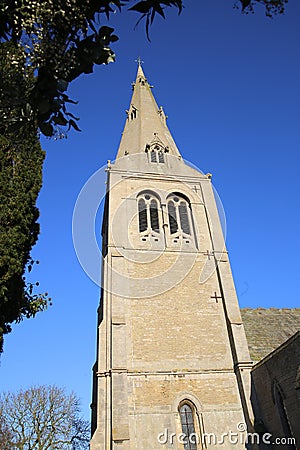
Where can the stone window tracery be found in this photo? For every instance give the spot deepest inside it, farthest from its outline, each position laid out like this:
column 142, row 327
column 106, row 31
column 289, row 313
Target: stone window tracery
column 180, row 219
column 148, row 215
column 156, row 153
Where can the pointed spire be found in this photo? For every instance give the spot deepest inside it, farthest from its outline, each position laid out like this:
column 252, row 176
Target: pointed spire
column 140, row 72
column 146, row 123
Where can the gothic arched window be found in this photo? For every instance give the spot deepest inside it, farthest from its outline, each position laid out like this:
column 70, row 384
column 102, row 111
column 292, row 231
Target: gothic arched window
column 148, row 212
column 188, row 426
column 284, row 420
column 180, row 219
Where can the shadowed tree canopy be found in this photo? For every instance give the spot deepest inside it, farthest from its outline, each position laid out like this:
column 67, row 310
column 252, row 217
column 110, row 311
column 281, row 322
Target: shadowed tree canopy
column 42, row 417
column 21, row 162
column 271, row 7
column 59, row 40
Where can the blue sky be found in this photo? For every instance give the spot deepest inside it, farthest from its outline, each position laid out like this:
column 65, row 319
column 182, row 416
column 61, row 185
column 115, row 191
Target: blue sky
column 230, row 86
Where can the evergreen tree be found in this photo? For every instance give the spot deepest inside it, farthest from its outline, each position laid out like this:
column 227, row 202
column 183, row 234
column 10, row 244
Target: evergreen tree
column 21, row 162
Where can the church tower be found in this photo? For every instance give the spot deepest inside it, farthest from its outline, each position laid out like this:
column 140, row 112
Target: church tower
column 173, row 367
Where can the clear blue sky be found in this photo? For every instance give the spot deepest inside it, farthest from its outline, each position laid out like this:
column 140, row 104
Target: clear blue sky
column 230, row 86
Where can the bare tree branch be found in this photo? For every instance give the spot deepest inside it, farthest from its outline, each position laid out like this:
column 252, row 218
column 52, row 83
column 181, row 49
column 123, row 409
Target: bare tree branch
column 42, row 417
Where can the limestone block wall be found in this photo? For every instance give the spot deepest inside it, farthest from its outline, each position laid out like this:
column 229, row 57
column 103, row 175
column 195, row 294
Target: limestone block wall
column 153, row 408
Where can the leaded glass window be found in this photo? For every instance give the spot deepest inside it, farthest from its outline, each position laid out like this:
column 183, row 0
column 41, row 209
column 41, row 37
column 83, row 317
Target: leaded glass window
column 188, row 427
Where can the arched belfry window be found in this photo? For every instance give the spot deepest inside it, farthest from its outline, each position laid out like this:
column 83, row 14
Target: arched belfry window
column 180, row 219
column 148, row 214
column 187, row 419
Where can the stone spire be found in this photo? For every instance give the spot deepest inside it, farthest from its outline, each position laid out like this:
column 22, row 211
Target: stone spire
column 146, row 122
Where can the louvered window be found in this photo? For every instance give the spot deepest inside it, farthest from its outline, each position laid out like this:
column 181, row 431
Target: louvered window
column 161, row 158
column 156, row 154
column 172, row 217
column 142, row 215
column 148, row 212
column 184, row 218
column 154, row 216
column 188, row 427
column 153, row 156
column 180, row 219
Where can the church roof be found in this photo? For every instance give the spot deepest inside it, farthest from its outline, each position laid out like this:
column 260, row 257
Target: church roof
column 268, row 328
column 145, row 124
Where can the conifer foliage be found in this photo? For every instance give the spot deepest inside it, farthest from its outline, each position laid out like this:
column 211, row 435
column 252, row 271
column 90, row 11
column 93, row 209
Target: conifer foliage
column 21, row 162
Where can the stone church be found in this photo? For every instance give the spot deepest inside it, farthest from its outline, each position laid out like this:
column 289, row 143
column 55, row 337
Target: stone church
column 173, row 368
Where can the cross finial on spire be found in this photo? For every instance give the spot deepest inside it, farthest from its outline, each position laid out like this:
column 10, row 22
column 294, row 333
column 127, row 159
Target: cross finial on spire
column 139, row 61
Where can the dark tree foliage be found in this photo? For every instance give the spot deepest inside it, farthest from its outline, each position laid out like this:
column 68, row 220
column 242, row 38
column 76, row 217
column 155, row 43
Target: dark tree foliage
column 61, row 39
column 57, row 41
column 271, row 7
column 21, row 178
column 21, row 162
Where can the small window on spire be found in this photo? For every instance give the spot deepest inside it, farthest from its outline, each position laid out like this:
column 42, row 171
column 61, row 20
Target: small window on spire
column 157, row 154
column 133, row 112
column 161, row 158
column 153, row 156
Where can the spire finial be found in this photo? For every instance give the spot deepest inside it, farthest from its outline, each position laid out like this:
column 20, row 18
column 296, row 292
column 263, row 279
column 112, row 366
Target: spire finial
column 139, row 61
